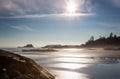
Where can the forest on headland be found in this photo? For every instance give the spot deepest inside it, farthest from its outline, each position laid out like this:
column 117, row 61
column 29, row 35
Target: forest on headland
column 111, row 41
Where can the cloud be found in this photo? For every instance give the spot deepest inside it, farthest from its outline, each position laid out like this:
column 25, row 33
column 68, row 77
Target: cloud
column 18, row 8
column 11, row 8
column 22, row 28
column 116, row 3
column 25, row 7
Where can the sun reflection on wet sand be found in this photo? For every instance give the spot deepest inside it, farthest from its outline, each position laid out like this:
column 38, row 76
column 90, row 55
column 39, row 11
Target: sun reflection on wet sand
column 72, row 66
column 67, row 66
column 71, row 49
column 70, row 75
column 70, row 59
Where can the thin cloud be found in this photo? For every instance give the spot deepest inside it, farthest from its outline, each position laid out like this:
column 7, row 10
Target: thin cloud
column 52, row 15
column 22, row 28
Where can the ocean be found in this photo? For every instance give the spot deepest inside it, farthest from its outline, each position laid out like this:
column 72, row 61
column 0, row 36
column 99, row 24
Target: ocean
column 72, row 63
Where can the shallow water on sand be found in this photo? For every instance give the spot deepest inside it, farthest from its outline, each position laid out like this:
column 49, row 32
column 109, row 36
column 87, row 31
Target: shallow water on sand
column 79, row 63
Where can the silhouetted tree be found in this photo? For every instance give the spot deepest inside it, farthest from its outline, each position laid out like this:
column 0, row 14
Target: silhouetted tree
column 91, row 38
column 115, row 36
column 111, row 35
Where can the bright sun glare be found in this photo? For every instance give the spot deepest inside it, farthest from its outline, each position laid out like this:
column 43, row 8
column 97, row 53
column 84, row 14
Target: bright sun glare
column 71, row 7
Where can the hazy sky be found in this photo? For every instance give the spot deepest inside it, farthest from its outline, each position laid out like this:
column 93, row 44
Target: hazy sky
column 43, row 22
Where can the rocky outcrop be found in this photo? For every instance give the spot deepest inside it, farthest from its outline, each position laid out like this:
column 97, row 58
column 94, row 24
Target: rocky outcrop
column 29, row 45
column 13, row 66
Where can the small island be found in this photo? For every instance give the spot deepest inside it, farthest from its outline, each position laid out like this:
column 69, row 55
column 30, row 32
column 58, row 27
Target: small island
column 27, row 46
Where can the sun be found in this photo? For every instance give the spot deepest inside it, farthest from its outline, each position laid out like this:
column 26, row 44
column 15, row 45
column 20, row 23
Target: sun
column 71, row 7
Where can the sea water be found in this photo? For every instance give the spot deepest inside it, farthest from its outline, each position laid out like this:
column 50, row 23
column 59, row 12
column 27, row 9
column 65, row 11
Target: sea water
column 77, row 63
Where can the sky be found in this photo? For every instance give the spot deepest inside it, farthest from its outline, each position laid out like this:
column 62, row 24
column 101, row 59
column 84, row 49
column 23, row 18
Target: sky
column 67, row 22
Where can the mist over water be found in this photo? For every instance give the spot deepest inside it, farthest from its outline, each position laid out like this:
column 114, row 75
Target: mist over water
column 78, row 63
